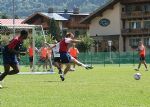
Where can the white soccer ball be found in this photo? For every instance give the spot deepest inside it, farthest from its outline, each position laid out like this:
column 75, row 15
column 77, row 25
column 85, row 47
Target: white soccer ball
column 137, row 76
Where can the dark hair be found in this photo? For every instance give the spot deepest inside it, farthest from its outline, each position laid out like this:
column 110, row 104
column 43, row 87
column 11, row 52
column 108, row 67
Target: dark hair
column 23, row 33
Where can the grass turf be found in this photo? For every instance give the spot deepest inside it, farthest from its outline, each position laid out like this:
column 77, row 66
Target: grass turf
column 101, row 87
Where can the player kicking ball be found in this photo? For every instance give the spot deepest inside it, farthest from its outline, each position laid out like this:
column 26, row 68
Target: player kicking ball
column 65, row 57
column 11, row 55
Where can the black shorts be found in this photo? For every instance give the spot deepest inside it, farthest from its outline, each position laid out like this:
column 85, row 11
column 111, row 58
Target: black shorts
column 142, row 58
column 31, row 59
column 42, row 59
column 57, row 59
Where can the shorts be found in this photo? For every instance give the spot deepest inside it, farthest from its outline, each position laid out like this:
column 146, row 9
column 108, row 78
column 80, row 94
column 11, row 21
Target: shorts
column 57, row 59
column 65, row 57
column 31, row 58
column 142, row 58
column 9, row 58
column 43, row 59
column 75, row 57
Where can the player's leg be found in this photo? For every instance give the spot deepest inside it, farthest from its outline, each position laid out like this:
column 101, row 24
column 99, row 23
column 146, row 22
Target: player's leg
column 31, row 63
column 51, row 65
column 5, row 73
column 80, row 63
column 15, row 69
column 139, row 65
column 44, row 64
column 144, row 62
column 58, row 64
column 67, row 68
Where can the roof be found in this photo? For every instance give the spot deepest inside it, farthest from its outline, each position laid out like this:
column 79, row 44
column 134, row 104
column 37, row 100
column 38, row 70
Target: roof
column 10, row 22
column 54, row 16
column 58, row 16
column 99, row 11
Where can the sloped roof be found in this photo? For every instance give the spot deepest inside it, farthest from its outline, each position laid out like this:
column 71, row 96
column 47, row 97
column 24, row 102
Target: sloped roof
column 54, row 16
column 99, row 11
column 10, row 22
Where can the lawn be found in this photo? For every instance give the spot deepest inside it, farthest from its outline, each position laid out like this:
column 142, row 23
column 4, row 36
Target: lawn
column 110, row 86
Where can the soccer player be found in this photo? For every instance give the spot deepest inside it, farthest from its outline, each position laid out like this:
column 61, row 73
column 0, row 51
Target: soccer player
column 43, row 56
column 141, row 49
column 56, row 56
column 11, row 55
column 74, row 53
column 65, row 57
column 30, row 53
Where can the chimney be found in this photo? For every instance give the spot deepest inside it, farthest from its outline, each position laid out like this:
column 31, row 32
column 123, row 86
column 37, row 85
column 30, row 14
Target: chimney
column 50, row 10
column 76, row 10
column 65, row 10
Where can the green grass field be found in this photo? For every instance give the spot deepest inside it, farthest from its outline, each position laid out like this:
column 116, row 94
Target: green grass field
column 108, row 86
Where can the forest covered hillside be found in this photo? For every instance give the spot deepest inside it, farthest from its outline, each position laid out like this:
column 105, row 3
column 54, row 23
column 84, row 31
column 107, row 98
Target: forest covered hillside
column 24, row 8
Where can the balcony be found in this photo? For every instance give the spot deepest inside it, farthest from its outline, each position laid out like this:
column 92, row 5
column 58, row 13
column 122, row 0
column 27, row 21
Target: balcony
column 134, row 1
column 135, row 15
column 142, row 31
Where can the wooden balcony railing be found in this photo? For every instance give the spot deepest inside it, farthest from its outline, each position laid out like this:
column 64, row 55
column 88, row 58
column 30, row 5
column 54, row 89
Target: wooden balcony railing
column 135, row 15
column 142, row 31
column 134, row 1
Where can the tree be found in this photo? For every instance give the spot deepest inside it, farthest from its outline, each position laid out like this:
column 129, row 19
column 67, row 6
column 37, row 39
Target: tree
column 16, row 17
column 4, row 16
column 86, row 43
column 54, row 29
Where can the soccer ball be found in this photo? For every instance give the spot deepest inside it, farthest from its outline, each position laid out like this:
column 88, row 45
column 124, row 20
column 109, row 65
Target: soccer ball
column 137, row 76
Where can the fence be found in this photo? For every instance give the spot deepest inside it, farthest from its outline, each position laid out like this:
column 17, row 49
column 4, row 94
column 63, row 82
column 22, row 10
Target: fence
column 100, row 58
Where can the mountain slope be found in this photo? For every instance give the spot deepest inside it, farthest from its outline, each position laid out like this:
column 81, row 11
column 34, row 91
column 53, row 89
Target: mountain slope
column 24, row 8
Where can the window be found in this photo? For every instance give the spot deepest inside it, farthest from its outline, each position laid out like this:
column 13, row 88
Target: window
column 135, row 25
column 147, row 41
column 128, row 8
column 147, row 7
column 137, row 8
column 134, row 42
column 147, row 24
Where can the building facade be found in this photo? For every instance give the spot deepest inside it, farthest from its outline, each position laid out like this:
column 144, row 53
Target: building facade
column 67, row 20
column 124, row 22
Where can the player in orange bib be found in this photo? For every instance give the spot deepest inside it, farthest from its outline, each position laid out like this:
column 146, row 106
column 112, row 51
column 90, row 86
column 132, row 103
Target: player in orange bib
column 74, row 53
column 43, row 56
column 142, row 53
column 30, row 53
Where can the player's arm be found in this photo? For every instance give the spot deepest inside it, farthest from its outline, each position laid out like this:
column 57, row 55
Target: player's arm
column 50, row 45
column 75, row 41
column 69, row 40
column 77, row 51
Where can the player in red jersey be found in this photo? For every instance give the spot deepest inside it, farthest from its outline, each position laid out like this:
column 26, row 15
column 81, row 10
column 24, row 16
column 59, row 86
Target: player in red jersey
column 65, row 57
column 11, row 55
column 142, row 53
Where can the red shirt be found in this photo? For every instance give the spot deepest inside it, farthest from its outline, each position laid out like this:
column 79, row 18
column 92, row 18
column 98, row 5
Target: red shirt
column 142, row 51
column 30, row 50
column 63, row 46
column 15, row 42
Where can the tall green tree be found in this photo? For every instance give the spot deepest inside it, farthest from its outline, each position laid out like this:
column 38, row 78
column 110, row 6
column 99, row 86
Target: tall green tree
column 85, row 44
column 54, row 29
